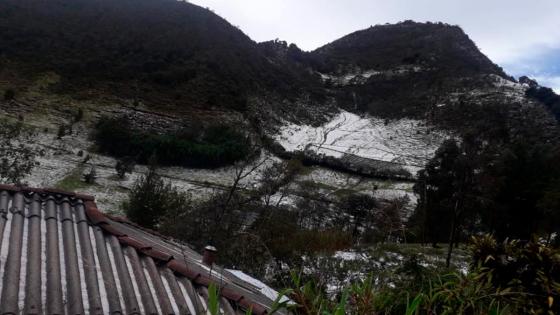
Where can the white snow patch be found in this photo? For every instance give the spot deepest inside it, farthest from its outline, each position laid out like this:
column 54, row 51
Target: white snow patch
column 187, row 298
column 81, row 270
column 170, row 294
column 358, row 76
column 102, row 290
column 62, row 258
column 349, row 256
column 5, row 247
column 134, row 282
column 264, row 289
column 43, row 225
column 407, row 141
column 151, row 285
column 23, row 262
column 115, row 270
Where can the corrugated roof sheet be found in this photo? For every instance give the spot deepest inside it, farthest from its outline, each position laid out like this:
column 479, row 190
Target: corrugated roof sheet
column 60, row 255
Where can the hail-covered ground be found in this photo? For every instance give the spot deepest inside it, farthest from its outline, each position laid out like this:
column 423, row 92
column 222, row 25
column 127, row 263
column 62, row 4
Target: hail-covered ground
column 408, row 142
column 63, row 161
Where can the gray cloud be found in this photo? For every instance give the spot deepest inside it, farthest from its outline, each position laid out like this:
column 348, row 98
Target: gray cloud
column 508, row 31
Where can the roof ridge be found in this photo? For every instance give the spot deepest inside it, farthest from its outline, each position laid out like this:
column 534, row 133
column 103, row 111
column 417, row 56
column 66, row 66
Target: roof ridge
column 124, row 220
column 48, row 190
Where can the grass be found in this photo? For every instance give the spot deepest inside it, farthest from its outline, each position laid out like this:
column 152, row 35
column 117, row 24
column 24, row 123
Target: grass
column 386, row 184
column 343, row 192
column 306, row 170
column 430, row 255
column 73, row 181
column 316, row 185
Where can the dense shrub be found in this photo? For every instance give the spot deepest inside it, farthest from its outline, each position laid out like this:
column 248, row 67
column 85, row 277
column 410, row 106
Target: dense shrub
column 151, row 198
column 528, row 267
column 205, row 148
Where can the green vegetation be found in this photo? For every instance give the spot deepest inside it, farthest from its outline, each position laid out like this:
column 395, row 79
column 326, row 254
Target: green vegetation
column 510, row 191
column 211, row 147
column 508, row 278
column 343, row 192
column 316, row 185
column 253, row 230
column 151, row 199
column 187, row 56
column 17, row 157
column 74, row 180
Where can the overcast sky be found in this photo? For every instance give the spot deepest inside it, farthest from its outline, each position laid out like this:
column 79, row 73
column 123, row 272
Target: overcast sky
column 522, row 36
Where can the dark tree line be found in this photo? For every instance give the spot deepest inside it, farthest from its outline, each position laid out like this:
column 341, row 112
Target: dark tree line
column 511, row 191
column 208, row 147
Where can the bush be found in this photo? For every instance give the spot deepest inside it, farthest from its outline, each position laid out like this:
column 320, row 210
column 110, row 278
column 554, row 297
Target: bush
column 211, row 147
column 286, row 238
column 90, row 176
column 17, row 157
column 124, row 166
column 151, row 198
column 530, row 268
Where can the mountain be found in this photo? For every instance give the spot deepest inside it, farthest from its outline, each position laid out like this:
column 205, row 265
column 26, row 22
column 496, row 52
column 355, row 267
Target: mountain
column 429, row 71
column 436, row 46
column 166, row 53
column 178, row 57
column 399, row 69
column 382, row 98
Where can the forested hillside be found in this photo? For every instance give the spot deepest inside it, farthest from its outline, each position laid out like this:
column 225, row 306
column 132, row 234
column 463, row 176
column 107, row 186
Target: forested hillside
column 164, row 52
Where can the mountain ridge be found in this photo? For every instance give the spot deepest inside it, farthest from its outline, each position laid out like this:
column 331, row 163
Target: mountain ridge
column 178, row 57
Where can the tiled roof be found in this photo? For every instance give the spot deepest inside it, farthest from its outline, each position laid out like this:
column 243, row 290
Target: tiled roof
column 60, row 255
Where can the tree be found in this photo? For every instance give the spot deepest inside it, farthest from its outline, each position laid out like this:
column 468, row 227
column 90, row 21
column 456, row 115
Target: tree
column 387, row 221
column 434, row 186
column 17, row 157
column 275, row 179
column 549, row 205
column 519, row 185
column 448, row 190
column 361, row 210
